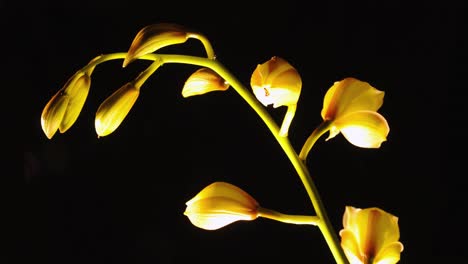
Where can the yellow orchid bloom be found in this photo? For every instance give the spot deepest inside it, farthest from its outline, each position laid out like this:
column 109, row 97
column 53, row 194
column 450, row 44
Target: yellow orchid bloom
column 220, row 204
column 115, row 108
column 202, row 81
column 276, row 82
column 351, row 106
column 370, row 236
column 63, row 109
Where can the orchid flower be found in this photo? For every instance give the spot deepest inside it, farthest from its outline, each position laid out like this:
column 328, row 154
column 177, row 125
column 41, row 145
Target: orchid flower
column 351, row 108
column 370, row 236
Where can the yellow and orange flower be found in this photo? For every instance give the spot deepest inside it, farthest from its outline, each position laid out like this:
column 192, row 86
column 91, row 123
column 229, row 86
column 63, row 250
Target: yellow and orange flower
column 370, row 236
column 276, row 82
column 351, row 106
column 220, row 204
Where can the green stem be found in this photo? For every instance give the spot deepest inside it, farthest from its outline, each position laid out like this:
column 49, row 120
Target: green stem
column 316, row 134
column 325, row 225
column 288, row 117
column 289, row 219
column 144, row 75
column 204, row 40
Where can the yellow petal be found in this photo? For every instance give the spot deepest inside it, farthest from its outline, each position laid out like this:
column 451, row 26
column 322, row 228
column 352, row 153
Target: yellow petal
column 202, row 81
column 365, row 129
column 390, row 254
column 350, row 247
column 77, row 89
column 154, row 37
column 226, row 190
column 114, row 109
column 53, row 113
column 350, row 95
column 276, row 82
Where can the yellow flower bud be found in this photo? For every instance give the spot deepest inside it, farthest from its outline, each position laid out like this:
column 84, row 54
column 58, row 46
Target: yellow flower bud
column 64, row 107
column 202, row 81
column 351, row 107
column 220, row 204
column 276, row 82
column 115, row 108
column 154, row 37
column 370, row 236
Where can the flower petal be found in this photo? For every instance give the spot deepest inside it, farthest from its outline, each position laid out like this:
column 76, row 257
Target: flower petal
column 53, row 112
column 350, row 95
column 226, row 190
column 390, row 254
column 77, row 89
column 350, row 246
column 365, row 129
column 276, row 82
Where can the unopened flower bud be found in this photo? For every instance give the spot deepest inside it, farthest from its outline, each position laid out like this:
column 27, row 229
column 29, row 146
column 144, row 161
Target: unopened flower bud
column 154, row 37
column 220, row 204
column 64, row 107
column 202, row 81
column 115, row 108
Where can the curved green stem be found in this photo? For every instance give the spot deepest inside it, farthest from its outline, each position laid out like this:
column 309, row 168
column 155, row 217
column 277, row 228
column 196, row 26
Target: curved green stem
column 325, row 225
column 289, row 219
column 206, row 44
column 316, row 134
column 288, row 117
column 144, row 75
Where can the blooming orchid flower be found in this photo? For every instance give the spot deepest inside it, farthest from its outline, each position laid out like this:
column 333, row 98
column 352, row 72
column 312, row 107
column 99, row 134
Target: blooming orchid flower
column 220, row 204
column 276, row 82
column 351, row 107
column 370, row 236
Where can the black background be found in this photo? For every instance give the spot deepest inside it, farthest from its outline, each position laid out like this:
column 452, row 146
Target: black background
column 120, row 199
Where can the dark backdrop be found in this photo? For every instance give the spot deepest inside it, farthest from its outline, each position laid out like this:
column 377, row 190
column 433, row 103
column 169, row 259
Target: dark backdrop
column 120, row 199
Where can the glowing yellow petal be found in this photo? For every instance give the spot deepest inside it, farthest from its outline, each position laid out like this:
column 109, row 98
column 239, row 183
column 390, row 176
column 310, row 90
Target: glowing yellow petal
column 220, row 204
column 154, row 37
column 276, row 82
column 350, row 247
column 203, row 81
column 114, row 109
column 390, row 254
column 350, row 95
column 53, row 113
column 365, row 129
column 226, row 190
column 77, row 89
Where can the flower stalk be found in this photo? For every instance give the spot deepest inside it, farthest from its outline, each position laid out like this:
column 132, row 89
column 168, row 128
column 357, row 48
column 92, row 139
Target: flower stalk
column 350, row 107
